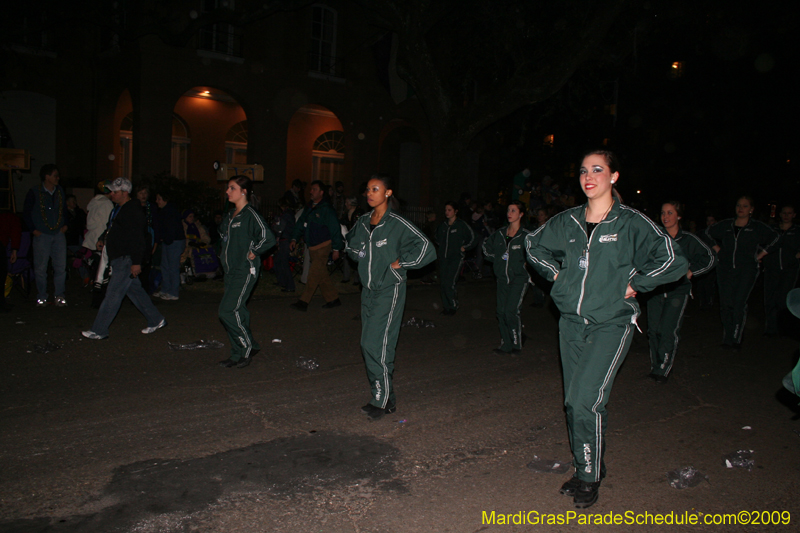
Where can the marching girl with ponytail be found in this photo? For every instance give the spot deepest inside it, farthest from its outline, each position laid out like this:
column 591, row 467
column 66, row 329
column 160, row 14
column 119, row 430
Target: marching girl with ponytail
column 598, row 256
column 385, row 245
column 741, row 243
column 666, row 306
column 506, row 249
column 244, row 237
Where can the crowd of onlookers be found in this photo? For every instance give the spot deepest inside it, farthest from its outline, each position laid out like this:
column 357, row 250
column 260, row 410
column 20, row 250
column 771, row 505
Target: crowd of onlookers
column 182, row 248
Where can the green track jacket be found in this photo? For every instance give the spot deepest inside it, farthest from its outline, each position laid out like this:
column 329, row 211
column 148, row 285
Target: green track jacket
column 740, row 250
column 508, row 259
column 626, row 247
column 392, row 239
column 702, row 260
column 450, row 239
column 784, row 253
column 240, row 234
column 318, row 224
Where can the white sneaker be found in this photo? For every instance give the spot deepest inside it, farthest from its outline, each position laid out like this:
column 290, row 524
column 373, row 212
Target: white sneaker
column 158, row 294
column 89, row 334
column 41, row 302
column 160, row 325
column 61, row 301
column 168, row 297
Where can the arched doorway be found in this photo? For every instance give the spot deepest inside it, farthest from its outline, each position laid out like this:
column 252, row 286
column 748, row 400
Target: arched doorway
column 315, row 146
column 216, row 130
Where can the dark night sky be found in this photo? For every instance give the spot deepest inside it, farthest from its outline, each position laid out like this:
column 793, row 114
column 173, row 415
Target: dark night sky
column 726, row 127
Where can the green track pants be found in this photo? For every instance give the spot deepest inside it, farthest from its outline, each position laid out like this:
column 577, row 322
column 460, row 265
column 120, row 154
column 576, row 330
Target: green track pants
column 735, row 286
column 234, row 315
column 590, row 358
column 449, row 270
column 664, row 321
column 381, row 314
column 509, row 300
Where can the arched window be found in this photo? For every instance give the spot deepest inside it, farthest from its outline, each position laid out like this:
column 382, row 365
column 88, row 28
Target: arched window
column 236, row 144
column 180, row 148
column 322, row 53
column 126, row 146
column 328, row 157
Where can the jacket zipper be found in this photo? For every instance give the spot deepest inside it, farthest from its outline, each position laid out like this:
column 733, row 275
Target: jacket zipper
column 229, row 242
column 447, row 239
column 508, row 254
column 586, row 271
column 369, row 265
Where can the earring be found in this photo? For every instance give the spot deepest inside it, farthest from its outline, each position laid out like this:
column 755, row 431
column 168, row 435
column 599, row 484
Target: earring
column 387, row 196
column 612, row 181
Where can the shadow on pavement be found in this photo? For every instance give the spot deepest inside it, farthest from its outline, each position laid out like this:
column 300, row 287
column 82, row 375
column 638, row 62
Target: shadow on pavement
column 143, row 491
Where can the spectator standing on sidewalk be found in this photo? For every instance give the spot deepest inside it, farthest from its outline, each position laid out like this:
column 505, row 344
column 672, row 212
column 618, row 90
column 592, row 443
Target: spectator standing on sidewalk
column 45, row 213
column 172, row 241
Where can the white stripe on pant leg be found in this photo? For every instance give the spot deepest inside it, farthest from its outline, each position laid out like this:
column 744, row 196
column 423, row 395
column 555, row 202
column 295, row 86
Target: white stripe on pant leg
column 738, row 337
column 675, row 335
column 383, row 348
column 598, row 431
column 455, row 280
column 248, row 344
column 519, row 319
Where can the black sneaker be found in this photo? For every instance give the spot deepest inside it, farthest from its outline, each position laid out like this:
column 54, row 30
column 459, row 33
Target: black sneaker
column 586, row 494
column 300, row 305
column 502, row 353
column 569, row 488
column 228, row 363
column 243, row 362
column 376, row 413
column 330, row 305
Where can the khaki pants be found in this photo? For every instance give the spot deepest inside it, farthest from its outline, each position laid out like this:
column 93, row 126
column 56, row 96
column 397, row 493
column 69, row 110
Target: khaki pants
column 318, row 276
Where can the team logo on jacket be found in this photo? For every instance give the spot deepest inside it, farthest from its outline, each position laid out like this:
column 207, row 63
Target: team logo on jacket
column 454, row 231
column 381, row 242
column 608, row 238
column 361, row 253
column 516, row 247
column 236, row 224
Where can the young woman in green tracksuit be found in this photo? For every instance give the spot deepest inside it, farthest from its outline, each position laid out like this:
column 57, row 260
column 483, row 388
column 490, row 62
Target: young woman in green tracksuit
column 741, row 243
column 599, row 255
column 453, row 238
column 667, row 303
column 780, row 271
column 244, row 236
column 385, row 245
column 506, row 249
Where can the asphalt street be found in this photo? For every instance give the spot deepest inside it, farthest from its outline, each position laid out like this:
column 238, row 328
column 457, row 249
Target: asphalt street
column 127, row 435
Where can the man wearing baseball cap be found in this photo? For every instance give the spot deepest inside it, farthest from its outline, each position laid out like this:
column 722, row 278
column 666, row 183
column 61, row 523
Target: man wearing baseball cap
column 125, row 243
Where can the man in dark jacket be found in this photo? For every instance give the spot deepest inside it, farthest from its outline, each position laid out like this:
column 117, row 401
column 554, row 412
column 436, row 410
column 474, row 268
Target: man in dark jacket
column 320, row 228
column 172, row 240
column 45, row 214
column 125, row 242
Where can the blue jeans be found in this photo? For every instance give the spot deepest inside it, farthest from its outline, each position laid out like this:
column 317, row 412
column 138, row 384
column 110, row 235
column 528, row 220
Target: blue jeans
column 119, row 286
column 46, row 247
column 171, row 267
column 283, row 269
